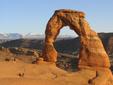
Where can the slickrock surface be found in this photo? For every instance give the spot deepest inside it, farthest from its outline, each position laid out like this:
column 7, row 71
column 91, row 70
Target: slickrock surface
column 16, row 73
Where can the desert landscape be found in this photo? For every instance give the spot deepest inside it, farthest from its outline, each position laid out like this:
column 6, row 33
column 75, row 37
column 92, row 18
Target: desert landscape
column 83, row 60
column 56, row 42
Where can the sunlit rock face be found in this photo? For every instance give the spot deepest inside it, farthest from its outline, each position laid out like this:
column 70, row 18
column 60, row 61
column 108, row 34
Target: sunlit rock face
column 92, row 55
column 92, row 52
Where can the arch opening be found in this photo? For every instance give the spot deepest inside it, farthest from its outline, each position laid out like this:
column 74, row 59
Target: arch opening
column 66, row 32
column 63, row 42
column 66, row 59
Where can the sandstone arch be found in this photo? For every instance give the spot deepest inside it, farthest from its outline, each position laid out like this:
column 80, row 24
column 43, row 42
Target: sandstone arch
column 92, row 52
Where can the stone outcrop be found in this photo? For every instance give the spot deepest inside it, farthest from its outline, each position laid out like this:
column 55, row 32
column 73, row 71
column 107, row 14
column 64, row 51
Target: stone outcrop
column 18, row 54
column 92, row 53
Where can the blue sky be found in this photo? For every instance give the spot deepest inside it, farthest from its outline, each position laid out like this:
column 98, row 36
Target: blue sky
column 25, row 16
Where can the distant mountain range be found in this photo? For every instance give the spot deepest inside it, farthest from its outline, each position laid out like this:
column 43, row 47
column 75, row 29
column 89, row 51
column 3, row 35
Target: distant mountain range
column 10, row 36
column 13, row 36
column 65, row 44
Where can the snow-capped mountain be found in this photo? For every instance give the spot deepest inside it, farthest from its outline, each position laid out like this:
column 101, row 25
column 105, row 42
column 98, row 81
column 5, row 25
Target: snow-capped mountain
column 13, row 36
column 33, row 36
column 10, row 36
column 2, row 36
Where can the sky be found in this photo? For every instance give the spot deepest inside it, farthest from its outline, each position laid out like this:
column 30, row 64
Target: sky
column 31, row 16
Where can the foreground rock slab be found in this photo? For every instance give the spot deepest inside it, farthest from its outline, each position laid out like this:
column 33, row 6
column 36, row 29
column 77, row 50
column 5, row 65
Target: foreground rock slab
column 14, row 73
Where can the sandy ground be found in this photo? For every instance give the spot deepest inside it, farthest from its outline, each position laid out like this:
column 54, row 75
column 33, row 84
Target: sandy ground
column 18, row 73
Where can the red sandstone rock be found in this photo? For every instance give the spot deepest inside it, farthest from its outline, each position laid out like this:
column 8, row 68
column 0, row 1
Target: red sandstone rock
column 92, row 52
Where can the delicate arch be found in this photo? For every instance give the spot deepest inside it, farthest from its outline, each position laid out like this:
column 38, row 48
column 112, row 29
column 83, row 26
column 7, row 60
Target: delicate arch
column 92, row 52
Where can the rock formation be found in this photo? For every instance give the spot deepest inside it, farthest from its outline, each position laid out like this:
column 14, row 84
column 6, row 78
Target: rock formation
column 18, row 54
column 92, row 53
